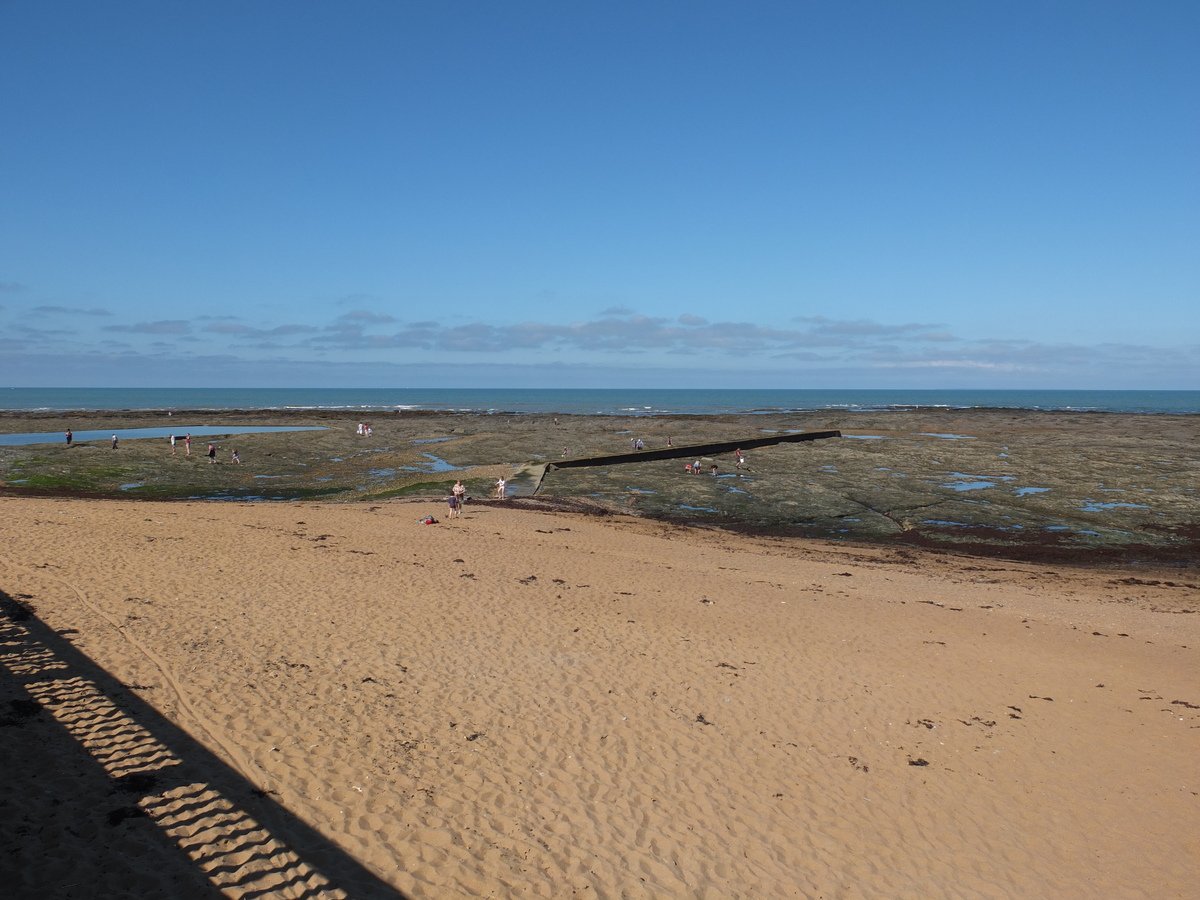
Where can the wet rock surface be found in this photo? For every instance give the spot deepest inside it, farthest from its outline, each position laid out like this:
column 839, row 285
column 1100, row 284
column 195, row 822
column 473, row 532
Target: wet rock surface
column 1022, row 483
column 1013, row 482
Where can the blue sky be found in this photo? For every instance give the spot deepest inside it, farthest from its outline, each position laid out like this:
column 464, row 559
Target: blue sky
column 832, row 194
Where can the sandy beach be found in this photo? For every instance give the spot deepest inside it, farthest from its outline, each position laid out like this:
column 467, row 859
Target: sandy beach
column 334, row 700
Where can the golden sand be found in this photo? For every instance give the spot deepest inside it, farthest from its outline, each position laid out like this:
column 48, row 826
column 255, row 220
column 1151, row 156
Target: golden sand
column 307, row 700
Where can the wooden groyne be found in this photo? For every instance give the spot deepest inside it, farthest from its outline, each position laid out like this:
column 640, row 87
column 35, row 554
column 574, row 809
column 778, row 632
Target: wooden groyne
column 691, row 451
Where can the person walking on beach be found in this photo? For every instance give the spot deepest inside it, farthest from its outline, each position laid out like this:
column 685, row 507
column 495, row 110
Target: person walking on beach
column 212, row 454
column 114, row 442
column 187, row 444
column 738, row 458
column 172, row 445
column 500, row 486
column 459, row 493
column 70, row 437
column 236, row 458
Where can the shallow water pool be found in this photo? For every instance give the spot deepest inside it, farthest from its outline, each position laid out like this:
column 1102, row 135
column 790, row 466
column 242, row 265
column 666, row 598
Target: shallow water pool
column 58, row 437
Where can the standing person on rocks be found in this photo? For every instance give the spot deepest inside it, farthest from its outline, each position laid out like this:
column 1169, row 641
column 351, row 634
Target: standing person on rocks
column 212, row 454
column 114, row 442
column 187, row 444
column 236, row 458
column 70, row 437
column 172, row 445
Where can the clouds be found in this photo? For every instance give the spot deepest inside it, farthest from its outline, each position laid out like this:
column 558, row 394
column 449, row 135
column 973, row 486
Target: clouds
column 68, row 311
column 859, row 327
column 897, row 352
column 366, row 317
column 238, row 329
column 617, row 334
column 163, row 326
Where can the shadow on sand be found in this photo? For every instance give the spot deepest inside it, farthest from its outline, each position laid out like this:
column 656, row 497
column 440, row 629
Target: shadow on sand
column 104, row 797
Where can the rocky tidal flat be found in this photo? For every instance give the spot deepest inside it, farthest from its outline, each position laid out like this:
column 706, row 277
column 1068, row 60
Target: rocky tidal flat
column 1009, row 482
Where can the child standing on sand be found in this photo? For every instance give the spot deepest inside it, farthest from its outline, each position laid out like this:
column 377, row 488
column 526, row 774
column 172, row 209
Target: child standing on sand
column 500, row 486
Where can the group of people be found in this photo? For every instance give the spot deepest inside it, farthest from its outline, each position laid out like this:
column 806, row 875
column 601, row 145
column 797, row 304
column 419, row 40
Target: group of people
column 211, row 453
column 70, row 435
column 739, row 462
column 458, row 496
column 187, row 446
column 638, row 444
column 365, row 429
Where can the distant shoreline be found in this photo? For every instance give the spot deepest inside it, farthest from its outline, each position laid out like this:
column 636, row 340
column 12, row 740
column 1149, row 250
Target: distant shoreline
column 565, row 401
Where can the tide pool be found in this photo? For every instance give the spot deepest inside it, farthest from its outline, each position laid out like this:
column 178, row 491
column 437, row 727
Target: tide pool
column 81, row 437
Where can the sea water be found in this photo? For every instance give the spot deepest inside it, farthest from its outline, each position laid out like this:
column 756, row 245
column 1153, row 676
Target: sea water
column 599, row 401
